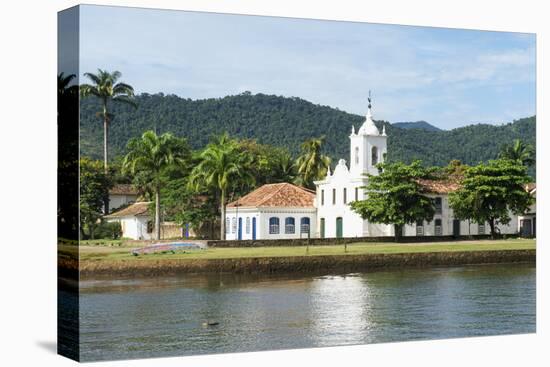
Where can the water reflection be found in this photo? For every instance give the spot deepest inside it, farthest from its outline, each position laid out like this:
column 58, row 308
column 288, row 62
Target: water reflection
column 128, row 318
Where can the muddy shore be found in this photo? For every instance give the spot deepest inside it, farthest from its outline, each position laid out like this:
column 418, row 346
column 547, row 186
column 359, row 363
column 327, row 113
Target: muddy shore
column 326, row 263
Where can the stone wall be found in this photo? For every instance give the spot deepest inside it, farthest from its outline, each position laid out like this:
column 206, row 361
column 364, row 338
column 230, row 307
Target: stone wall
column 341, row 241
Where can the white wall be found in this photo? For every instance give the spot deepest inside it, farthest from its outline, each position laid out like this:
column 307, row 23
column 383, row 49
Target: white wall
column 134, row 227
column 355, row 226
column 262, row 216
column 116, row 201
column 466, row 228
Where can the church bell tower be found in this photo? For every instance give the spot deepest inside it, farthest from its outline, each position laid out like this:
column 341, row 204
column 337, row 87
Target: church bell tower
column 368, row 146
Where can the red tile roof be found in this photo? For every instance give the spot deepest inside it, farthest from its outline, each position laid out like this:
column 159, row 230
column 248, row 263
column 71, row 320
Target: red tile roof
column 277, row 195
column 439, row 186
column 136, row 209
column 123, row 189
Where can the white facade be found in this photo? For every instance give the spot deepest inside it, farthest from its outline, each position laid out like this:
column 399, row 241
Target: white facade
column 444, row 224
column 255, row 223
column 118, row 200
column 335, row 218
column 134, row 227
column 527, row 223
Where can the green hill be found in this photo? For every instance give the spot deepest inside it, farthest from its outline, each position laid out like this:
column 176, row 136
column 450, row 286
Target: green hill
column 422, row 125
column 288, row 122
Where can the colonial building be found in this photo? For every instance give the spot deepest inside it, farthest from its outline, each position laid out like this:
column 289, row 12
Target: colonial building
column 272, row 211
column 279, row 211
column 121, row 195
column 135, row 221
column 527, row 223
column 337, row 190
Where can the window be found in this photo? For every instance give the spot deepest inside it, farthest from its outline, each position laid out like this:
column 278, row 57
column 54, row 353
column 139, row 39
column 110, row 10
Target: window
column 273, row 225
column 247, row 225
column 481, row 229
column 333, row 196
column 438, row 205
column 227, row 224
column 233, row 225
column 438, row 228
column 322, row 197
column 345, row 196
column 289, row 225
column 356, row 155
column 374, row 158
column 149, row 226
column 419, row 228
column 304, row 225
column 356, row 193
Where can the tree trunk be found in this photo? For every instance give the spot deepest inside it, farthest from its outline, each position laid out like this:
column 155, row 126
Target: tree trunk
column 157, row 213
column 222, row 221
column 397, row 232
column 492, row 225
column 105, row 137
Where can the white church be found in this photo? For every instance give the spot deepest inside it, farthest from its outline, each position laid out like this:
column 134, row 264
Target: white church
column 279, row 211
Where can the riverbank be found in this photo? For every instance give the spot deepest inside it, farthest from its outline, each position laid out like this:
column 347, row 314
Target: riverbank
column 102, row 261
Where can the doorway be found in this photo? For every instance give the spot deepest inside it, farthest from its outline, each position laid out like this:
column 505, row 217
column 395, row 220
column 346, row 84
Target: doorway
column 254, row 228
column 456, row 227
column 339, row 227
column 240, row 229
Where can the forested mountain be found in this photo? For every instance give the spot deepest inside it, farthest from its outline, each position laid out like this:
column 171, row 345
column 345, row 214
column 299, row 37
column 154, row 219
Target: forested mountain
column 288, row 122
column 422, row 125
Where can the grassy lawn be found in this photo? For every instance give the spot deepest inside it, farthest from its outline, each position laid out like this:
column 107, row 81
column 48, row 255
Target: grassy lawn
column 97, row 253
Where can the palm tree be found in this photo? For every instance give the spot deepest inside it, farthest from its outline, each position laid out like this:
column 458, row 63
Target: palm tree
column 105, row 87
column 312, row 165
column 285, row 168
column 518, row 151
column 151, row 155
column 223, row 166
column 63, row 87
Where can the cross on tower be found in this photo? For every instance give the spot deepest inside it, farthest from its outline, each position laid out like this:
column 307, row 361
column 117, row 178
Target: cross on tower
column 369, row 99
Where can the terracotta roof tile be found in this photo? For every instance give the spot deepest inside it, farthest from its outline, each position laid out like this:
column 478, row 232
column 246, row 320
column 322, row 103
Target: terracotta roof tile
column 136, row 209
column 440, row 186
column 123, row 189
column 277, row 195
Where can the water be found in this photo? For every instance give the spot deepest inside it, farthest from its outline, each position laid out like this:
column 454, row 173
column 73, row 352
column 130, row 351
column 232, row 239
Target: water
column 123, row 319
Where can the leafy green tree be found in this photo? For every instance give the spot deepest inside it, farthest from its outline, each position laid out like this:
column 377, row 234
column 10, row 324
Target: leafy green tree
column 491, row 191
column 396, row 197
column 94, row 186
column 105, row 87
column 312, row 164
column 185, row 204
column 151, row 155
column 269, row 164
column 67, row 157
column 518, row 151
column 224, row 166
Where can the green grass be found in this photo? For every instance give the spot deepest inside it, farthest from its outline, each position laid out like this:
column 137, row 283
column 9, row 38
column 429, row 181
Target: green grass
column 98, row 253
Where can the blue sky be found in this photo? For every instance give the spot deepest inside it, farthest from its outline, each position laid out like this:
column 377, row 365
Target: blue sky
column 447, row 77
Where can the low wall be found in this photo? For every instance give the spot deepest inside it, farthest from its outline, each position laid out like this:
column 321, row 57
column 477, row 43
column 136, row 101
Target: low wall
column 338, row 241
column 333, row 263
